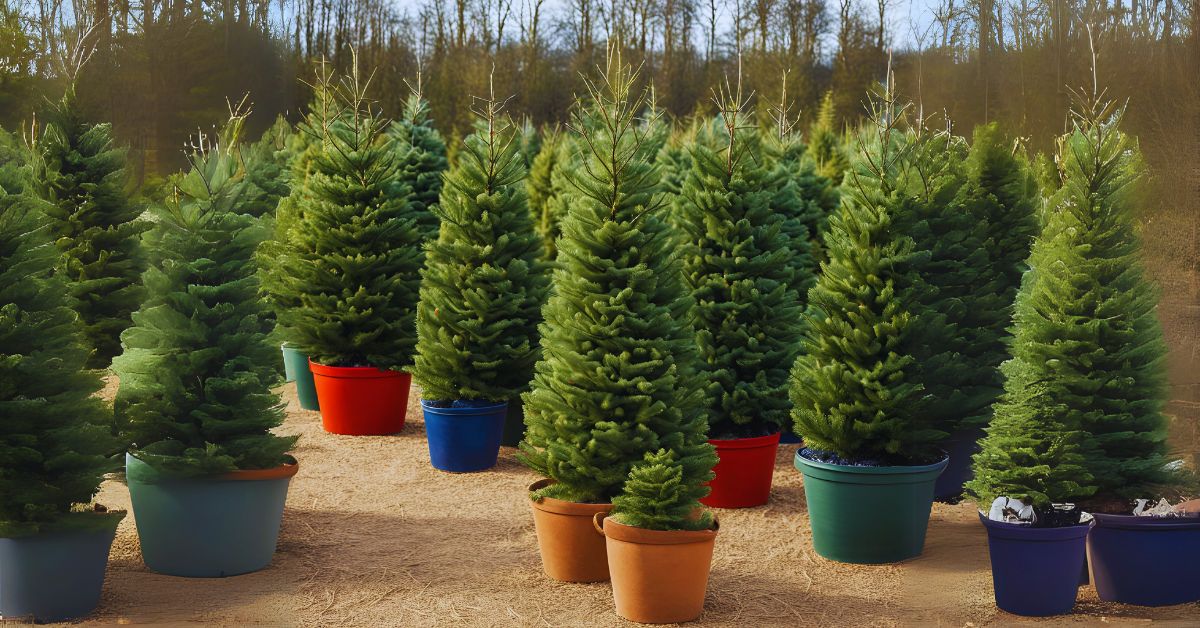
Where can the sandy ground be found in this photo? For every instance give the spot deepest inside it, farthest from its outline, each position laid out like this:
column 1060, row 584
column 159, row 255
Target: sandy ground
column 374, row 536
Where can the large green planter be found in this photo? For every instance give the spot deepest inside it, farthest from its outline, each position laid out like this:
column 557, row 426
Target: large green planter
column 208, row 526
column 295, row 366
column 868, row 515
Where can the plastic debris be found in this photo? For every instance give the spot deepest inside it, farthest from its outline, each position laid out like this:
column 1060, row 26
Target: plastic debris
column 1011, row 510
column 1164, row 508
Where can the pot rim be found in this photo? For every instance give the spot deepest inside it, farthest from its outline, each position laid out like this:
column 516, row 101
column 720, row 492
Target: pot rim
column 1018, row 532
column 284, row 471
column 882, row 470
column 466, row 411
column 1146, row 524
column 561, row 506
column 752, row 442
column 355, row 372
column 618, row 531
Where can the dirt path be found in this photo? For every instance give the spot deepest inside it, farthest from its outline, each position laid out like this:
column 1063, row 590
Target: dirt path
column 374, row 536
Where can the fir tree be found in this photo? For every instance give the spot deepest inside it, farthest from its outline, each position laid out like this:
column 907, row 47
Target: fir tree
column 483, row 283
column 539, row 188
column 94, row 224
column 422, row 160
column 55, row 436
column 664, row 492
column 266, row 164
column 618, row 376
column 740, row 266
column 345, row 262
column 825, row 143
column 855, row 388
column 197, row 371
column 674, row 160
column 568, row 159
column 530, row 142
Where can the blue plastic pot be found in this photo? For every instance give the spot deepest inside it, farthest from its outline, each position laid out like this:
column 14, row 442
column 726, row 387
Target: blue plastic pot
column 56, row 576
column 464, row 439
column 207, row 527
column 961, row 446
column 1147, row 561
column 1035, row 571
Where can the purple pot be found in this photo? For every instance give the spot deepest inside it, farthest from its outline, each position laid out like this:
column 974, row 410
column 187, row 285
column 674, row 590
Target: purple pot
column 1035, row 571
column 1147, row 561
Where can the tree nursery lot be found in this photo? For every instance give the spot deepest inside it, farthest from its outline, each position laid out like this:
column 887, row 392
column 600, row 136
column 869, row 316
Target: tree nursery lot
column 373, row 535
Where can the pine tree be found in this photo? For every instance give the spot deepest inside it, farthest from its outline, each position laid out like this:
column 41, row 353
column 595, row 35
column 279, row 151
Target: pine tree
column 567, row 160
column 94, row 224
column 422, row 160
column 824, row 142
column 674, row 160
column 618, row 376
column 197, row 371
column 266, row 164
column 539, row 188
column 55, row 436
column 344, row 265
column 664, row 492
column 855, row 387
column 740, row 265
column 483, row 284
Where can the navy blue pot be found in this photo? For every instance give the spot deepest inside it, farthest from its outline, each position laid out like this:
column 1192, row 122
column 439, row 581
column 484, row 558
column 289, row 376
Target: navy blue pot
column 1147, row 561
column 1035, row 571
column 961, row 445
column 56, row 576
column 209, row 526
column 464, row 439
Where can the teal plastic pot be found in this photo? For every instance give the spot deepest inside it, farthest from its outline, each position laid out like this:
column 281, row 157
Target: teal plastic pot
column 295, row 366
column 56, row 576
column 514, row 424
column 868, row 515
column 209, row 526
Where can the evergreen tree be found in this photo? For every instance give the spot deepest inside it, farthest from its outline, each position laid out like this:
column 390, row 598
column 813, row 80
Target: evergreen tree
column 197, row 371
column 825, row 143
column 94, row 224
column 55, row 440
column 344, row 269
column 266, row 164
column 740, row 265
column 674, row 160
column 539, row 187
column 483, row 283
column 422, row 161
column 855, row 387
column 530, row 142
column 568, row 160
column 618, row 376
column 664, row 492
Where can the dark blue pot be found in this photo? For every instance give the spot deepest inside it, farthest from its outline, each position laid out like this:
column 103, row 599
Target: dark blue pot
column 209, row 526
column 55, row 576
column 1147, row 561
column 1035, row 571
column 961, row 445
column 466, row 439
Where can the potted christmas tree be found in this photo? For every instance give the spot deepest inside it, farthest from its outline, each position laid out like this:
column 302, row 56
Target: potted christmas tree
column 55, row 436
column 740, row 264
column 869, row 463
column 206, row 476
column 659, row 538
column 618, row 373
column 421, row 153
column 482, row 290
column 350, row 265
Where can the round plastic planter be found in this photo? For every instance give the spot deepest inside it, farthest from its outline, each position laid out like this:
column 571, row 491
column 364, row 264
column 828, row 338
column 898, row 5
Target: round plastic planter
column 743, row 473
column 868, row 515
column 462, row 440
column 55, row 576
column 361, row 400
column 1035, row 571
column 571, row 549
column 514, row 424
column 961, row 445
column 207, row 527
column 295, row 367
column 1147, row 561
column 658, row 576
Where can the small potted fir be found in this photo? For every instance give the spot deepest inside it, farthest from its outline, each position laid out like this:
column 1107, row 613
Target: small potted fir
column 618, row 372
column 206, row 476
column 659, row 538
column 481, row 295
column 55, row 436
column 869, row 463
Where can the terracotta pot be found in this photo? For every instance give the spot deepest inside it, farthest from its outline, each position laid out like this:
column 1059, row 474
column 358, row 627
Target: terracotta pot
column 658, row 576
column 571, row 551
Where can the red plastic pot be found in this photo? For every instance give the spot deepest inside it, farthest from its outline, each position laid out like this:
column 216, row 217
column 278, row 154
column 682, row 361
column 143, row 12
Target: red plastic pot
column 743, row 474
column 361, row 400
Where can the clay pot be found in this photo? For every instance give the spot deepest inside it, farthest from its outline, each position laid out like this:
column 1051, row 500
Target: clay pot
column 571, row 551
column 658, row 576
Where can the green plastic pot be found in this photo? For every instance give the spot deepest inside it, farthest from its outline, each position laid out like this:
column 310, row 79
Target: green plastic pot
column 295, row 365
column 868, row 515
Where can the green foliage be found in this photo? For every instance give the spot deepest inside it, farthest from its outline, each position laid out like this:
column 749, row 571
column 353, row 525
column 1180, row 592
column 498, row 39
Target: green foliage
column 664, row 492
column 197, row 371
column 421, row 161
column 539, row 188
column 674, row 160
column 618, row 376
column 55, row 436
column 568, row 159
column 94, row 224
column 855, row 387
column 343, row 268
column 740, row 265
column 483, row 284
column 825, row 143
column 267, row 170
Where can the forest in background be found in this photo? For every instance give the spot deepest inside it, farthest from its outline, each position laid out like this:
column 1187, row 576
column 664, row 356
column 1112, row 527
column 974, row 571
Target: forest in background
column 161, row 69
